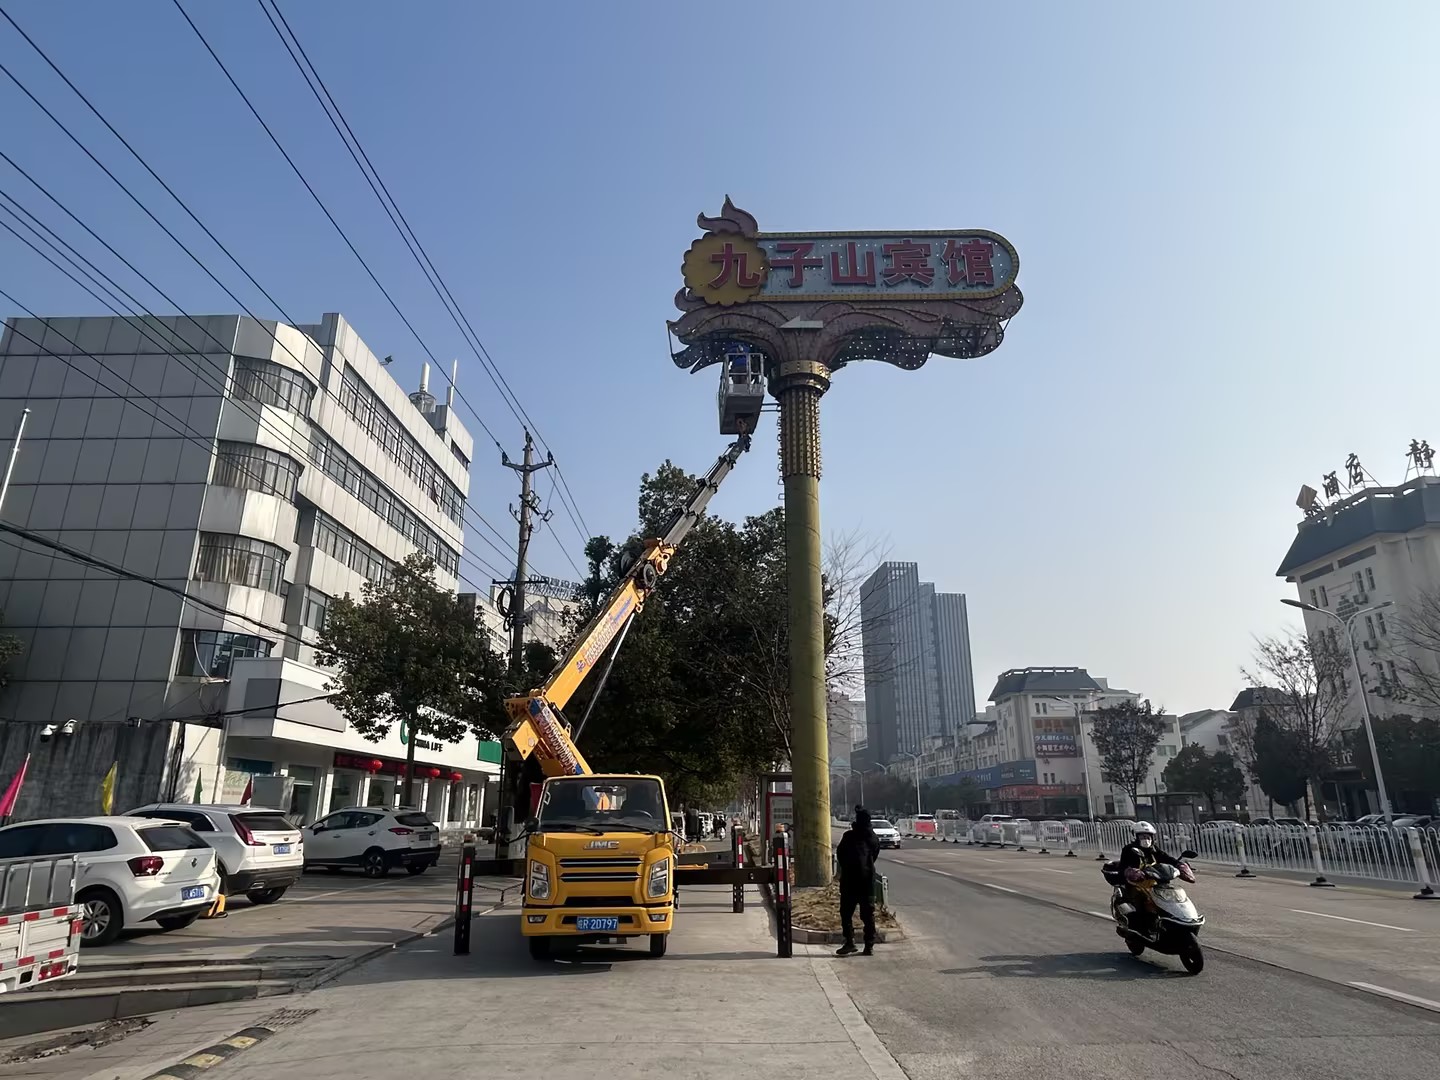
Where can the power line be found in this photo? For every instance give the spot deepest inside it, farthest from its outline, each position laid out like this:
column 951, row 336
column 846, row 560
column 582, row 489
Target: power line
column 76, row 555
column 138, row 311
column 205, row 442
column 134, row 153
column 388, row 203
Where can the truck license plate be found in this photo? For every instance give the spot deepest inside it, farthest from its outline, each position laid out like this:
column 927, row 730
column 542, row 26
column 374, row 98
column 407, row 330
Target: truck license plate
column 593, row 925
column 195, row 892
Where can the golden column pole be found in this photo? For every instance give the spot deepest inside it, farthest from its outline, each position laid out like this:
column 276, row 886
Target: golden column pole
column 798, row 385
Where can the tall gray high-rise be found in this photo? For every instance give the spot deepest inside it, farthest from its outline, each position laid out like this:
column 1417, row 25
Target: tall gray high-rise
column 918, row 678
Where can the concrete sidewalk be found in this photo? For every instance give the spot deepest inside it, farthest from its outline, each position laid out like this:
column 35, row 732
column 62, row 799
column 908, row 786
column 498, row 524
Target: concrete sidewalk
column 1341, row 934
column 324, row 925
column 719, row 1005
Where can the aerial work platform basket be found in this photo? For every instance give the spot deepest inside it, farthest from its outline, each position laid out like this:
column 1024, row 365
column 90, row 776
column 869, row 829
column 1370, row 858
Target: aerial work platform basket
column 742, row 390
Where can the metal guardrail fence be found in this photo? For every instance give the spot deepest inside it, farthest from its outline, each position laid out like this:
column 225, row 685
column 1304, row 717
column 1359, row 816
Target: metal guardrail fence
column 30, row 884
column 1404, row 856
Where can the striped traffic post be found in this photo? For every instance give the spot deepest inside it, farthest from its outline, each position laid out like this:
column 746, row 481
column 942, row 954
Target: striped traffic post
column 783, row 943
column 737, row 860
column 464, row 899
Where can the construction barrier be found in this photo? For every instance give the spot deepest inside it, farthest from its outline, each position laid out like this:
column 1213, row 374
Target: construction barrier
column 464, row 899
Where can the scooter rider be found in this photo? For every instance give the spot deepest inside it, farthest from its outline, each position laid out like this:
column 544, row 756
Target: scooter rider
column 1137, row 857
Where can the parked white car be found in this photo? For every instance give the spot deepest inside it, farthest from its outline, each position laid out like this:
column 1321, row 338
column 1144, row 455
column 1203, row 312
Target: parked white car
column 260, row 853
column 130, row 870
column 375, row 839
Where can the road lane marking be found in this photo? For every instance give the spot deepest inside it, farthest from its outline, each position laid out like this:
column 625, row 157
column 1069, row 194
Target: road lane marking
column 1098, row 914
column 1048, row 870
column 1362, row 922
column 1409, row 999
column 942, row 873
column 1002, row 888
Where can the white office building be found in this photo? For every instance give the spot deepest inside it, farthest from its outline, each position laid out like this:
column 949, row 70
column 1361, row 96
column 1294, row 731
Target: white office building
column 262, row 467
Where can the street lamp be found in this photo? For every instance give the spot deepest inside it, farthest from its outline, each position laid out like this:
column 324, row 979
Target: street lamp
column 1364, row 698
column 916, row 759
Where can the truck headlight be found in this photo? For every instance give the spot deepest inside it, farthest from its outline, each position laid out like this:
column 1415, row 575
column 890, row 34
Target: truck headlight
column 539, row 880
column 659, row 883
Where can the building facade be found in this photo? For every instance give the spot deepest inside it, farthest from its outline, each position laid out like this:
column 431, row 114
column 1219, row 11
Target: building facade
column 257, row 468
column 1368, row 564
column 1024, row 752
column 916, row 646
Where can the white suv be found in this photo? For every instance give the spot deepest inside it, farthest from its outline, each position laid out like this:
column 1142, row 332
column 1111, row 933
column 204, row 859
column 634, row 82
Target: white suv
column 375, row 839
column 130, row 869
column 261, row 854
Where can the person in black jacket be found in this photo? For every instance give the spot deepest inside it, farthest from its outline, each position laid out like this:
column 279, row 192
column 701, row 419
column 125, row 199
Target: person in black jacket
column 858, row 850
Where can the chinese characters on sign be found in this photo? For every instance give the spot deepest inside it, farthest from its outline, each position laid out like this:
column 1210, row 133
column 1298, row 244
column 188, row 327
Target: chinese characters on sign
column 731, row 268
column 1420, row 455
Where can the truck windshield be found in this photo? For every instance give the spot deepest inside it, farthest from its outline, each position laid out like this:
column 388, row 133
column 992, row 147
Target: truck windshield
column 604, row 804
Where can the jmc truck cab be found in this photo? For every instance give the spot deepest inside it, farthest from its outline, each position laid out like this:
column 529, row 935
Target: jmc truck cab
column 600, row 863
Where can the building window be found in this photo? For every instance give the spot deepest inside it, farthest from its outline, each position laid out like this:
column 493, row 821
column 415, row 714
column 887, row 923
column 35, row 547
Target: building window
column 1369, row 628
column 1380, row 622
column 1370, row 577
column 367, row 410
column 314, row 608
column 256, row 468
column 345, row 547
column 1390, row 665
column 209, row 653
column 270, row 383
column 1314, row 598
column 241, row 560
column 1324, row 597
column 358, row 481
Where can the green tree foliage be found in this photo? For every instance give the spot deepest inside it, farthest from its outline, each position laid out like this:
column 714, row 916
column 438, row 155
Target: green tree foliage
column 1279, row 767
column 1216, row 776
column 10, row 647
column 1409, row 751
column 409, row 653
column 1126, row 735
column 698, row 692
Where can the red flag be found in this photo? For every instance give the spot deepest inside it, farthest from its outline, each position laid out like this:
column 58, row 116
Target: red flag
column 249, row 792
column 12, row 793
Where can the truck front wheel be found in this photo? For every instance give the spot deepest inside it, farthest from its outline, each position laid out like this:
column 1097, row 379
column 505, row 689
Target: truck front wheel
column 657, row 944
column 539, row 948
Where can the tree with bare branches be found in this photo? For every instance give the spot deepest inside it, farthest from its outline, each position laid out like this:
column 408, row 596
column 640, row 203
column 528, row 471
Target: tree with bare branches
column 1307, row 682
column 1417, row 660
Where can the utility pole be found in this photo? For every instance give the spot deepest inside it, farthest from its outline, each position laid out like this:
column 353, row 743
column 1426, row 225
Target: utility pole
column 510, row 786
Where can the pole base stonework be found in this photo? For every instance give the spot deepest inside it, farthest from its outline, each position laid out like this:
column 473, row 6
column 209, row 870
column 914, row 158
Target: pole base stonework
column 798, row 385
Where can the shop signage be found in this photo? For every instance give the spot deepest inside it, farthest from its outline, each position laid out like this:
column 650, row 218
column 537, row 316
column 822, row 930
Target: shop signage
column 1055, row 744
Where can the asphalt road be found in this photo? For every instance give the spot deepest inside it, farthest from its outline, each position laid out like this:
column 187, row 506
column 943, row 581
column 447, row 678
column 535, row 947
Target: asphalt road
column 992, row 985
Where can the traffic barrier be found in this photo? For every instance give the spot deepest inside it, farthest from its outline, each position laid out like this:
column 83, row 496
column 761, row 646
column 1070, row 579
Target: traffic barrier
column 784, row 946
column 1312, row 834
column 737, row 858
column 464, row 898
column 1417, row 852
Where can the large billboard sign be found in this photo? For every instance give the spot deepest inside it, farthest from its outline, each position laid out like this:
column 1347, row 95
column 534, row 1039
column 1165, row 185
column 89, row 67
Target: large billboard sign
column 728, row 268
column 898, row 295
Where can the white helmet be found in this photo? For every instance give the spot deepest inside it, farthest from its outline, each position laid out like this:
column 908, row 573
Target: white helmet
column 1144, row 828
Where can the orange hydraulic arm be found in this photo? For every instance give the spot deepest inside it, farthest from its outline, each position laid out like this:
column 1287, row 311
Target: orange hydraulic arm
column 536, row 722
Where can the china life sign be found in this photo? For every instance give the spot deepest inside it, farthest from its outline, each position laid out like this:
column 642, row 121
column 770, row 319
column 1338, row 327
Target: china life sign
column 725, row 269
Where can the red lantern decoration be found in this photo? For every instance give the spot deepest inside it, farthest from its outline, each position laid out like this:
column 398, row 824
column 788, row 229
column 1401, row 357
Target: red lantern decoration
column 456, row 778
column 376, row 765
column 435, row 774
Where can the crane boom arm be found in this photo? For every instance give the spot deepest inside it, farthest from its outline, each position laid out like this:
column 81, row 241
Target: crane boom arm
column 535, row 724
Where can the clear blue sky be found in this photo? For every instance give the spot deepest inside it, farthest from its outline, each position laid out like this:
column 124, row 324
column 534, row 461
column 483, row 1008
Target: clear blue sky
column 1226, row 220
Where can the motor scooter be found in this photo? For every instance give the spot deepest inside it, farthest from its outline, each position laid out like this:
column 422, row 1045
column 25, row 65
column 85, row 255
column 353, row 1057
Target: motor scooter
column 1172, row 926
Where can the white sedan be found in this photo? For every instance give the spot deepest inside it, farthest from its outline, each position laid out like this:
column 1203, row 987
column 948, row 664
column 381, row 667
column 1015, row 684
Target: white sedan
column 131, row 869
column 887, row 834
